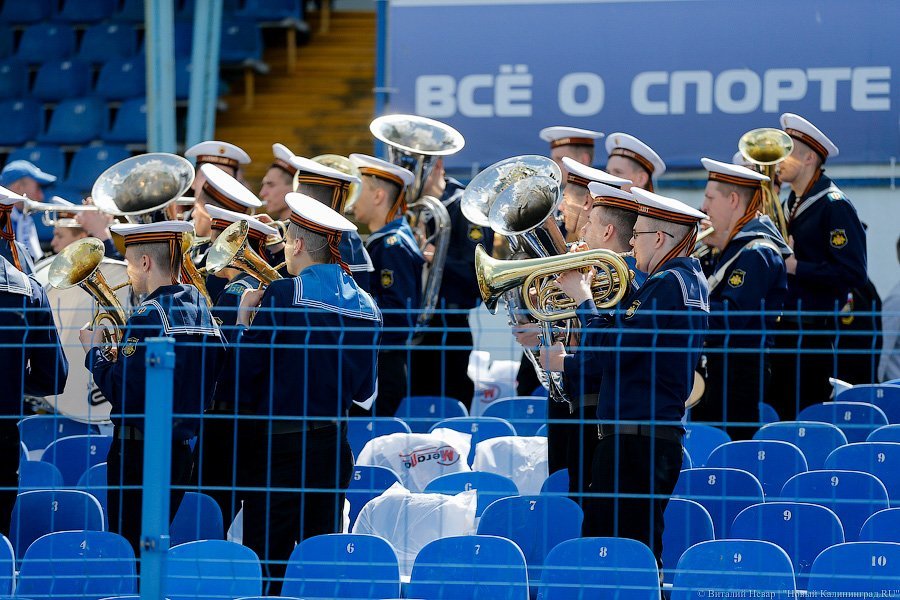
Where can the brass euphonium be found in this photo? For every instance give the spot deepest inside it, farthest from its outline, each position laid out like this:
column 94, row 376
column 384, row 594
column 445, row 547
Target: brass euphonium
column 765, row 148
column 230, row 250
column 196, row 277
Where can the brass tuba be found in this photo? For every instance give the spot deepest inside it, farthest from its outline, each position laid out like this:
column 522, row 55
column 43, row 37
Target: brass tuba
column 78, row 264
column 414, row 143
column 230, row 250
column 765, row 148
column 196, row 277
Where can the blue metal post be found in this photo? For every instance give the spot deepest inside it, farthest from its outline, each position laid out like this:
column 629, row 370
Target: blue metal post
column 201, row 121
column 157, row 466
column 381, row 90
column 160, row 24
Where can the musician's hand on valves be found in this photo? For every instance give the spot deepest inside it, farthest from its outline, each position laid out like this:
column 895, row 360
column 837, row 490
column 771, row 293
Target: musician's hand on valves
column 576, row 285
column 552, row 358
column 89, row 338
column 529, row 335
column 249, row 303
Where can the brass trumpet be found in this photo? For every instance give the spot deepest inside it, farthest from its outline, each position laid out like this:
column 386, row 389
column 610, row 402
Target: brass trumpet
column 230, row 250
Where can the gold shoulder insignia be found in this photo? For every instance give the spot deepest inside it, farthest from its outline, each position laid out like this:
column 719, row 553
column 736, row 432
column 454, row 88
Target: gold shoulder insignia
column 632, row 309
column 838, row 238
column 475, row 232
column 736, row 279
column 835, row 195
column 387, row 278
column 130, row 346
column 142, row 310
column 392, row 240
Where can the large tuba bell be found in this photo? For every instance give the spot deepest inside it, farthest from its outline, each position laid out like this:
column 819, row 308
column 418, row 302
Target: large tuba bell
column 141, row 187
column 765, row 148
column 230, row 250
column 414, row 143
column 78, row 264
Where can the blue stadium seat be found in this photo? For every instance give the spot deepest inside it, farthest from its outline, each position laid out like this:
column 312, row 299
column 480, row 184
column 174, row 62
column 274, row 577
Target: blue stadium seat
column 60, row 79
column 76, row 454
column 241, row 43
column 767, row 413
column 122, row 78
column 722, row 492
column 23, row 13
column 883, row 526
column 732, row 568
column 700, row 440
column 49, row 159
column 212, row 569
column 39, row 431
column 271, row 10
column 686, row 461
column 186, row 10
column 367, row 483
column 687, row 523
column 38, row 513
column 13, row 79
column 131, row 11
column 24, row 120
column 853, row 496
column 362, row 429
column 6, row 41
column 771, row 462
column 78, row 565
column 469, row 566
column 107, row 41
column 489, row 487
column 542, row 430
column 883, row 395
column 603, row 568
column 421, row 412
column 856, row 419
column 480, row 428
column 88, row 163
column 198, row 518
column 864, row 567
column 45, row 42
column 76, row 121
column 881, row 459
column 35, row 475
column 801, row 530
column 535, row 523
column 129, row 126
column 94, row 482
column 343, row 566
column 557, row 483
column 815, row 440
column 7, row 566
column 887, row 433
column 65, row 192
column 87, row 11
column 525, row 413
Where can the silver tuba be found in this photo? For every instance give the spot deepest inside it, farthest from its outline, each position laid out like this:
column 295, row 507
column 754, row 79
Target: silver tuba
column 414, row 143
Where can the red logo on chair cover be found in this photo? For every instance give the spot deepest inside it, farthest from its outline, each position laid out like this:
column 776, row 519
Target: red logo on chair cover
column 445, row 456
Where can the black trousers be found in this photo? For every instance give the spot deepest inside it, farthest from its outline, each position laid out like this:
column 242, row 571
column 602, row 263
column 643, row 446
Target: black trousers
column 9, row 467
column 735, row 385
column 801, row 366
column 526, row 380
column 571, row 445
column 125, row 467
column 442, row 369
column 225, row 441
column 392, row 385
column 286, row 465
column 634, row 476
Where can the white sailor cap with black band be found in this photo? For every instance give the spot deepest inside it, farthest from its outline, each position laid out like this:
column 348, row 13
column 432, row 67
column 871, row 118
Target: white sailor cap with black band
column 227, row 191
column 582, row 175
column 607, row 195
column 283, row 157
column 162, row 232
column 623, row 144
column 732, row 173
column 217, row 153
column 309, row 213
column 802, row 130
column 569, row 136
column 308, row 168
column 671, row 210
column 381, row 169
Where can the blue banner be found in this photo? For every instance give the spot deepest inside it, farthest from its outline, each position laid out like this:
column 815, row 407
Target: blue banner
column 686, row 76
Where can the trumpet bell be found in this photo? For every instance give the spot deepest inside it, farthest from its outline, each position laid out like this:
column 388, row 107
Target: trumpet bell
column 230, row 250
column 485, row 187
column 142, row 186
column 765, row 146
column 344, row 165
column 76, row 263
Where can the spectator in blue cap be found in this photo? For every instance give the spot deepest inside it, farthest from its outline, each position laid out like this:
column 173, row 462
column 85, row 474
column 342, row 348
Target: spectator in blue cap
column 25, row 179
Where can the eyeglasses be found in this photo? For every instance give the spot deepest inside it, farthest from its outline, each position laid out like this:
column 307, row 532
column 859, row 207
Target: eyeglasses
column 637, row 233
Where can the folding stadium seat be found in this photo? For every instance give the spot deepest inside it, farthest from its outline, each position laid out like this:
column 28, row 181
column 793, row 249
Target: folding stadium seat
column 767, row 413
column 13, row 79
column 853, row 496
column 49, row 159
column 72, row 565
column 884, row 396
column 130, row 123
column 59, row 79
column 24, row 120
column 87, row 11
column 522, row 459
column 556, row 484
column 241, row 43
column 815, row 440
column 76, row 454
column 883, row 526
column 107, row 41
column 198, row 518
column 856, row 419
column 801, row 530
column 39, row 431
column 525, row 413
column 488, row 487
column 76, row 121
column 469, row 566
column 131, row 11
column 90, row 162
column 700, row 440
column 122, row 78
column 722, row 492
column 535, row 523
column 771, row 462
column 733, row 567
column 271, row 10
column 863, row 568
column 881, row 459
column 38, row 513
column 34, row 475
column 602, row 568
column 480, row 428
column 687, row 523
column 362, row 429
column 365, row 484
column 45, row 42
column 6, row 41
column 7, row 566
column 23, row 13
column 342, row 566
column 421, row 412
column 542, row 430
column 212, row 569
column 887, row 433
column 417, row 458
column 94, row 482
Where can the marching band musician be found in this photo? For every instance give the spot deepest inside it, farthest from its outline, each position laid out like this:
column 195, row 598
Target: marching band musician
column 320, row 332
column 12, row 249
column 642, row 390
column 396, row 283
column 169, row 309
column 578, row 203
column 223, row 155
column 829, row 261
column 277, row 183
column 25, row 179
column 749, row 275
column 632, row 159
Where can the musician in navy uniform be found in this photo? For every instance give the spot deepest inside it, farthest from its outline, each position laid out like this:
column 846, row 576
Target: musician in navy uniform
column 277, row 183
column 223, row 155
column 396, row 283
column 31, row 362
column 573, row 143
column 749, row 275
column 26, row 180
column 644, row 379
column 439, row 365
column 10, row 248
column 310, row 352
column 169, row 309
column 829, row 261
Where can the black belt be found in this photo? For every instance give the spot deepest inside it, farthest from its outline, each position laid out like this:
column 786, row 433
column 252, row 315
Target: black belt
column 663, row 432
column 280, row 427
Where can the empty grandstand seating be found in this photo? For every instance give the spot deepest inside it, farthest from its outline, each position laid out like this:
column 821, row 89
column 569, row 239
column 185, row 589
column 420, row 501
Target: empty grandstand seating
column 525, row 413
column 816, row 440
column 700, row 440
column 480, row 428
column 883, row 526
column 522, row 459
column 198, row 518
column 421, row 412
column 771, row 462
column 856, row 419
column 210, row 569
column 76, row 454
column 722, row 492
column 878, row 458
column 360, row 430
column 863, row 567
column 488, row 486
column 367, row 483
column 687, row 523
column 37, row 513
